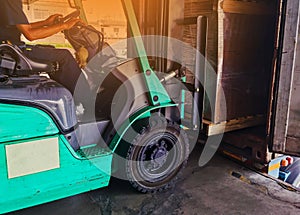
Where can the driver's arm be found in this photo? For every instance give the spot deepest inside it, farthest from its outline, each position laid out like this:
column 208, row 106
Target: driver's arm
column 51, row 20
column 38, row 30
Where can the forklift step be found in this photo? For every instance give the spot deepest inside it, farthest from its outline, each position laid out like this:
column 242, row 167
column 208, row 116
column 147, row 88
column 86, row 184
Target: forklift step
column 93, row 151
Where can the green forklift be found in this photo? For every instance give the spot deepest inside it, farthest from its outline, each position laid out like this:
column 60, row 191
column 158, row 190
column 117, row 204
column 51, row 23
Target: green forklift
column 47, row 152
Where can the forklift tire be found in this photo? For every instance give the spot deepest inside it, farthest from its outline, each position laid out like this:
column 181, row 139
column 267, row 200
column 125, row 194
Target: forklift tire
column 156, row 157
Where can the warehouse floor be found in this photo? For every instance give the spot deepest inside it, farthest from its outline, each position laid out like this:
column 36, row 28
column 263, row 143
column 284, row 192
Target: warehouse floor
column 208, row 190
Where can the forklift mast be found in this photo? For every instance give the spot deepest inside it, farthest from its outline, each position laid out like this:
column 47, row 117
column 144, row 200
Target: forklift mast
column 157, row 93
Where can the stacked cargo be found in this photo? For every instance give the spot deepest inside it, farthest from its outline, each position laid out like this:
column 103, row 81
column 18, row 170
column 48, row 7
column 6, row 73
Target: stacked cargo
column 240, row 49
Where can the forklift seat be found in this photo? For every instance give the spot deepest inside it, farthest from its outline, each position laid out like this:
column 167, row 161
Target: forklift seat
column 20, row 82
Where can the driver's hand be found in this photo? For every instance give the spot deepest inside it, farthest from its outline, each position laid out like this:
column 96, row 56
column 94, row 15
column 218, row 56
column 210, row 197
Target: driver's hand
column 53, row 19
column 70, row 23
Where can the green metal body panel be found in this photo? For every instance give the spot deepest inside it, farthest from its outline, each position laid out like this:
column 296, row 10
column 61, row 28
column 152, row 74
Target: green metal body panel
column 74, row 176
column 77, row 172
column 21, row 122
column 157, row 93
column 182, row 100
column 146, row 112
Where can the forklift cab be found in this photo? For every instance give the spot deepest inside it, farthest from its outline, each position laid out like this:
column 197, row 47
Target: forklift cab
column 37, row 91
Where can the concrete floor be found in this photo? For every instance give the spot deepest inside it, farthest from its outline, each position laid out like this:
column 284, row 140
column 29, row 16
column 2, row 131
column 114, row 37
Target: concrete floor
column 208, row 190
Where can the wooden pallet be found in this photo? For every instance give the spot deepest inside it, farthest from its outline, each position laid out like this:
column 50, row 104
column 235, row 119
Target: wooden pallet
column 211, row 129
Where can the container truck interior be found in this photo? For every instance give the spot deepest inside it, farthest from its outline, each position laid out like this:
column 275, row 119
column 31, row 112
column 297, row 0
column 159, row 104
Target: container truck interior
column 242, row 46
column 253, row 48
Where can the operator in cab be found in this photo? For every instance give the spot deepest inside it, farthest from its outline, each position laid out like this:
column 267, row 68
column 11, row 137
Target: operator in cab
column 14, row 23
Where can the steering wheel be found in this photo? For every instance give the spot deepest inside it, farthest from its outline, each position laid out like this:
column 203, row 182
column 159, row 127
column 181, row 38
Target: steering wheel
column 74, row 14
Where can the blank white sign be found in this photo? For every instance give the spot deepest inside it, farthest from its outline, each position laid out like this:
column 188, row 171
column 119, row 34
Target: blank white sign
column 32, row 157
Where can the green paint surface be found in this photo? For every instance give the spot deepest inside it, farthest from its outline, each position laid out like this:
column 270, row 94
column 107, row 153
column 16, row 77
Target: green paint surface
column 157, row 93
column 74, row 176
column 21, row 122
column 182, row 109
column 146, row 112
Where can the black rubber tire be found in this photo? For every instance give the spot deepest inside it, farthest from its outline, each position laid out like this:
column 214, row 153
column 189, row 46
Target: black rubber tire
column 156, row 157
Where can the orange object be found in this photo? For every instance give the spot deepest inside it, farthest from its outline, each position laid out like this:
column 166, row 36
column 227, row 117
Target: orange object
column 284, row 163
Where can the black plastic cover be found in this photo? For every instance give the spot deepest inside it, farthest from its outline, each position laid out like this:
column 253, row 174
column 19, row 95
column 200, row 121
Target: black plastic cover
column 38, row 91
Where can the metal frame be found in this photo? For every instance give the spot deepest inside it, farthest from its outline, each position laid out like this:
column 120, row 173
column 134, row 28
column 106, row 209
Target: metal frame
column 157, row 93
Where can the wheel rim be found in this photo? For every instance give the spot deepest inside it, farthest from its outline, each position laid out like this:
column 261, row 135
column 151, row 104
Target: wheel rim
column 158, row 157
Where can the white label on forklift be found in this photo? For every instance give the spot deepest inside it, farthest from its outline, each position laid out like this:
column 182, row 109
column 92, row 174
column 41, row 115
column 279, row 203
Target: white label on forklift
column 32, row 157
